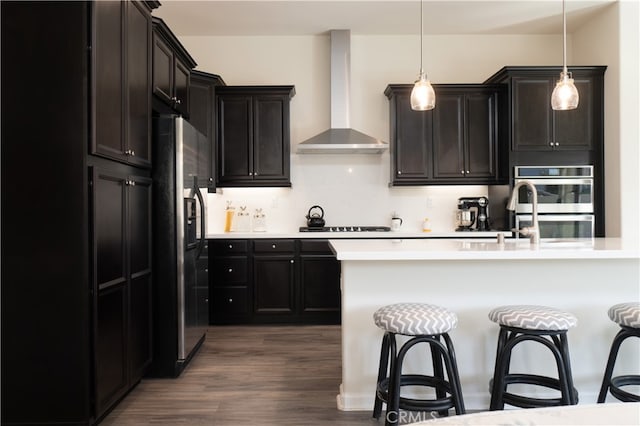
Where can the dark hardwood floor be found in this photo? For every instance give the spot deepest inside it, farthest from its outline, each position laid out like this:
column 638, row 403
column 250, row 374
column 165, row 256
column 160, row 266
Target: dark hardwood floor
column 249, row 375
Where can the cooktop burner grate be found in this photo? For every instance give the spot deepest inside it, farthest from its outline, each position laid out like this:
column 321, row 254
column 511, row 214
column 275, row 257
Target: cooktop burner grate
column 345, row 229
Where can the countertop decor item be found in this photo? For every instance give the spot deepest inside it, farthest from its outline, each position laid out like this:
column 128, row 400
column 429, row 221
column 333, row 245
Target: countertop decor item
column 423, row 98
column 565, row 94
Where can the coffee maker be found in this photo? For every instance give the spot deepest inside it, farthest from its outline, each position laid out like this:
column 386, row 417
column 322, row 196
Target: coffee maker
column 472, row 214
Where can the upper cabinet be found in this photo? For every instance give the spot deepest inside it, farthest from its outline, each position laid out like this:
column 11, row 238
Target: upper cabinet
column 455, row 143
column 537, row 127
column 122, row 82
column 172, row 67
column 202, row 116
column 253, row 136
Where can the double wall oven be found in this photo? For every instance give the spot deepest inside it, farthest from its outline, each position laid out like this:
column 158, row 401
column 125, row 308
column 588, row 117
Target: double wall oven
column 565, row 200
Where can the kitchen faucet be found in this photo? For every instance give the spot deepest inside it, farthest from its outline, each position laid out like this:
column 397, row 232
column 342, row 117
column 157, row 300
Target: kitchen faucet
column 533, row 231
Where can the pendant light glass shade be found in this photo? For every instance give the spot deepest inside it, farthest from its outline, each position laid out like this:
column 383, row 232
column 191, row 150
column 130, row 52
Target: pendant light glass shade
column 565, row 94
column 423, row 98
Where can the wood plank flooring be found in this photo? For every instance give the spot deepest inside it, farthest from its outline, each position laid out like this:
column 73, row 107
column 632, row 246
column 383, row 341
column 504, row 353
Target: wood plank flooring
column 249, row 375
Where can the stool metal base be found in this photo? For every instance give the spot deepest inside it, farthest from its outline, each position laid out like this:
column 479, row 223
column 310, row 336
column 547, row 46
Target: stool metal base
column 448, row 392
column 556, row 342
column 614, row 384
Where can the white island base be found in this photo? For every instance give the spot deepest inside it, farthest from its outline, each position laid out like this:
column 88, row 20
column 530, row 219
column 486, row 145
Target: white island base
column 471, row 278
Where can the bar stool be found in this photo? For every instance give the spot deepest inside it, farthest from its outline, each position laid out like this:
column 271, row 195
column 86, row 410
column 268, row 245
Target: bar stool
column 428, row 324
column 548, row 326
column 627, row 316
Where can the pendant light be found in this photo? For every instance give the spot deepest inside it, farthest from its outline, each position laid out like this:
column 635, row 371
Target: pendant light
column 565, row 95
column 423, row 98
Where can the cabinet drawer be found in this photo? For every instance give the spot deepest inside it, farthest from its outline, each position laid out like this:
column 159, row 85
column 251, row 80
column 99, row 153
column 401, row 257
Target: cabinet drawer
column 223, row 247
column 232, row 301
column 315, row 246
column 229, row 270
column 274, row 246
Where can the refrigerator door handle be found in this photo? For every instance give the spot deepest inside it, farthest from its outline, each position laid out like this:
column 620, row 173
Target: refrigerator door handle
column 203, row 222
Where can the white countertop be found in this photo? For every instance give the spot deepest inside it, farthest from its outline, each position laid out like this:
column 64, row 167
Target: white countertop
column 481, row 249
column 356, row 235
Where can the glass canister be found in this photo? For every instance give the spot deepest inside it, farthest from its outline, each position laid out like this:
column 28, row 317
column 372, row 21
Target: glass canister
column 228, row 217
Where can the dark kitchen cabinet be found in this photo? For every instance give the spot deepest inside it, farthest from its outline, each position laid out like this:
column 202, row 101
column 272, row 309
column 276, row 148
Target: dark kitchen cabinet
column 122, row 81
column 202, row 286
column 274, row 281
column 274, row 278
column 537, row 127
column 455, row 143
column 172, row 67
column 411, row 139
column 121, row 218
column 465, row 133
column 536, row 135
column 202, row 116
column 319, row 282
column 253, row 135
column 230, row 295
column 85, row 341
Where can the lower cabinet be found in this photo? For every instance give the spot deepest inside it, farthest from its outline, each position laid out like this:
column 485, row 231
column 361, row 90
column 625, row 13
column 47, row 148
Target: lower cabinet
column 271, row 281
column 121, row 218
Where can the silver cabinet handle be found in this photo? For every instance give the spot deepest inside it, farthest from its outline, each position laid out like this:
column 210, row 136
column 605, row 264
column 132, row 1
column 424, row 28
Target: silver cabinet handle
column 230, row 300
column 550, row 143
column 467, row 171
column 230, row 269
column 206, row 300
column 273, row 246
column 230, row 246
column 178, row 101
column 462, row 171
column 206, row 269
column 557, row 144
column 399, row 172
column 292, row 261
column 250, row 174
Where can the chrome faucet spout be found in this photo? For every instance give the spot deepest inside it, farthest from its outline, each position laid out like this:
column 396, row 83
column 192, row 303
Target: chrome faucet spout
column 533, row 231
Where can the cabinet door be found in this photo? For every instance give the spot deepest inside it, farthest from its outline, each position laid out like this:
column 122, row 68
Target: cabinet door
column 201, row 107
column 140, row 286
column 162, row 69
column 110, row 347
column 448, row 136
column 481, row 135
column 273, row 285
column 110, row 286
column 109, row 236
column 235, row 136
column 270, row 138
column 108, row 75
column 181, row 86
column 138, row 85
column 574, row 129
column 531, row 113
column 319, row 285
column 412, row 142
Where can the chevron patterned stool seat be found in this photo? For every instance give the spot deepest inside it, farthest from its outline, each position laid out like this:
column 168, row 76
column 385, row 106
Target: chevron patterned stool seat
column 423, row 323
column 542, row 324
column 627, row 316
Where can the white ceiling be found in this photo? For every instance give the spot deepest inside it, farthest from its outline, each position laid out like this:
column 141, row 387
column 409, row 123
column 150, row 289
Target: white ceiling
column 309, row 17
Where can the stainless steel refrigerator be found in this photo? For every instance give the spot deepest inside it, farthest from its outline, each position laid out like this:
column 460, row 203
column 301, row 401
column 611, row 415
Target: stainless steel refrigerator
column 179, row 227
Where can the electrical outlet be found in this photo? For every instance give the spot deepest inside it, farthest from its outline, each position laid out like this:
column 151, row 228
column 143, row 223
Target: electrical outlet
column 429, row 202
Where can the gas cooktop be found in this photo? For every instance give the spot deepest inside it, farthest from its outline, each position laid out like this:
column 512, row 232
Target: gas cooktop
column 345, row 229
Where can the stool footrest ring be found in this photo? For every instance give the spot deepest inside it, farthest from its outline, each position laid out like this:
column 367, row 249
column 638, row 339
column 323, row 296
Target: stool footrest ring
column 616, row 390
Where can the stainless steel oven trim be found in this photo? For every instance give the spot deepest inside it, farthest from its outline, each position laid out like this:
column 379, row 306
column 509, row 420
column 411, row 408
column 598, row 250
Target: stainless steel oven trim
column 558, row 207
column 518, row 175
column 557, row 218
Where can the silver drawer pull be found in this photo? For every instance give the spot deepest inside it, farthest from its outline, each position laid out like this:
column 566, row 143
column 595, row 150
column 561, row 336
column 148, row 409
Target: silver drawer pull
column 230, row 269
column 230, row 246
column 230, row 300
column 273, row 246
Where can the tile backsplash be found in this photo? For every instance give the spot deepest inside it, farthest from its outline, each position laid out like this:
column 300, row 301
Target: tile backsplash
column 352, row 189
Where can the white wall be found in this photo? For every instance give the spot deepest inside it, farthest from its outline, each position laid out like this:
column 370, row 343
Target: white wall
column 612, row 38
column 353, row 188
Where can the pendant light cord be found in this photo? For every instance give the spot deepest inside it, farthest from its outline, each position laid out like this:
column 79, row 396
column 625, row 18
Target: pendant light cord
column 421, row 31
column 564, row 39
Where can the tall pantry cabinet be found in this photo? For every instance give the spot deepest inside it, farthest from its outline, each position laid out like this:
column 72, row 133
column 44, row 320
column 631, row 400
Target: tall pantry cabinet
column 76, row 198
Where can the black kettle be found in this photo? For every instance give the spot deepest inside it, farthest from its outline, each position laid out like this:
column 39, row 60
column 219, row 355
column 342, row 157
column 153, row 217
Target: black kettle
column 315, row 220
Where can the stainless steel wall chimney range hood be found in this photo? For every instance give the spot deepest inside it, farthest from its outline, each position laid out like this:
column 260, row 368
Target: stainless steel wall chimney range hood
column 340, row 138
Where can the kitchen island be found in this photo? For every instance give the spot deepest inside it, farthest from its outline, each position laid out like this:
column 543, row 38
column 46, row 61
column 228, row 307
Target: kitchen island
column 471, row 277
